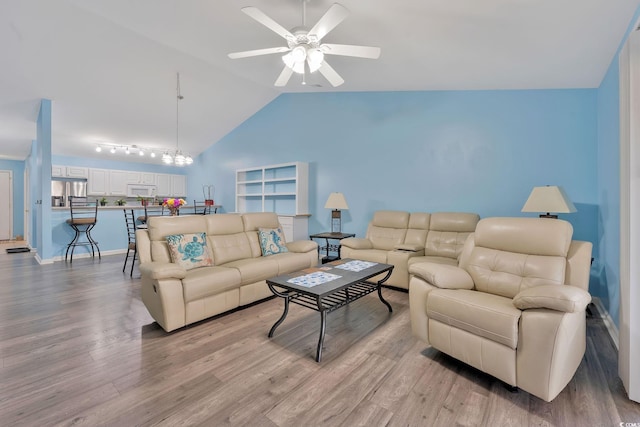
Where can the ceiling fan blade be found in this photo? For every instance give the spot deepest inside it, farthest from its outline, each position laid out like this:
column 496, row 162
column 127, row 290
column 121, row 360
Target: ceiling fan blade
column 284, row 77
column 330, row 74
column 258, row 52
column 329, row 20
column 351, row 50
column 259, row 16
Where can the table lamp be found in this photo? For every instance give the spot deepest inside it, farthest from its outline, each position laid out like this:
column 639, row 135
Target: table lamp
column 550, row 198
column 336, row 201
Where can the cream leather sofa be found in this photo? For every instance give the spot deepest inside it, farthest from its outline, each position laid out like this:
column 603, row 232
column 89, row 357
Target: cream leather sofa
column 176, row 297
column 514, row 307
column 402, row 238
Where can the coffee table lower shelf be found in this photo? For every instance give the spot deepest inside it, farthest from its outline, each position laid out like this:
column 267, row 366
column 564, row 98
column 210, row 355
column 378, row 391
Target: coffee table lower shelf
column 326, row 303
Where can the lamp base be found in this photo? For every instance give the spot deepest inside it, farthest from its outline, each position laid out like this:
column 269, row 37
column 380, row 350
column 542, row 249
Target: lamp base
column 336, row 221
column 548, row 215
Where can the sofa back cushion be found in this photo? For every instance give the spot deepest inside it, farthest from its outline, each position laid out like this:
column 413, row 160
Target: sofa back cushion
column 448, row 231
column 227, row 238
column 513, row 254
column 418, row 228
column 388, row 229
column 253, row 222
column 159, row 227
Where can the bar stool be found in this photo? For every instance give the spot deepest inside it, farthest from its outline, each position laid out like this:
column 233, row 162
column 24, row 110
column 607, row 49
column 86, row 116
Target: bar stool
column 130, row 221
column 84, row 216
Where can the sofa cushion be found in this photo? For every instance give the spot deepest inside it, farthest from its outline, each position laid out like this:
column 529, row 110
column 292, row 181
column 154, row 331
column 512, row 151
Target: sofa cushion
column 375, row 255
column 535, row 236
column 272, row 241
column 255, row 269
column 207, row 281
column 388, row 229
column 432, row 259
column 189, row 250
column 230, row 247
column 289, row 262
column 486, row 315
column 508, row 273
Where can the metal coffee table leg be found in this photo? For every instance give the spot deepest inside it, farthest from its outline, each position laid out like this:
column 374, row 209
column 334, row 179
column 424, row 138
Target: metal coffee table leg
column 284, row 313
column 384, row 279
column 323, row 327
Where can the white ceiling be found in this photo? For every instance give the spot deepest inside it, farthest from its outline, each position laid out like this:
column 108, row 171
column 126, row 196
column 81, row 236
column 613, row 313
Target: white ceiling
column 109, row 66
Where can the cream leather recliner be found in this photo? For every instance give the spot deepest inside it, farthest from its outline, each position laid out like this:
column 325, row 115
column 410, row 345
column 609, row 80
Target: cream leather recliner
column 514, row 307
column 402, row 238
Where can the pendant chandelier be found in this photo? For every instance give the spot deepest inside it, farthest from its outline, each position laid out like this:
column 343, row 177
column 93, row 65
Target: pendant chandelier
column 177, row 157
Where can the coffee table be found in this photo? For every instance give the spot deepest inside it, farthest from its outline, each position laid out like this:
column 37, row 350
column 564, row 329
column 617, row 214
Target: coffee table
column 327, row 287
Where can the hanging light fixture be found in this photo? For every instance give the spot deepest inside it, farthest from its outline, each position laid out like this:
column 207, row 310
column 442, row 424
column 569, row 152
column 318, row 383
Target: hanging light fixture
column 177, row 157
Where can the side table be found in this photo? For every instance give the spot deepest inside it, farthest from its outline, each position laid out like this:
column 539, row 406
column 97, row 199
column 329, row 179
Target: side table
column 330, row 247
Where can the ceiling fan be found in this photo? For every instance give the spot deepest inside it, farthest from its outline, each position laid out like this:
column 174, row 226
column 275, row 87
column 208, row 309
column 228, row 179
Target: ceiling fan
column 305, row 50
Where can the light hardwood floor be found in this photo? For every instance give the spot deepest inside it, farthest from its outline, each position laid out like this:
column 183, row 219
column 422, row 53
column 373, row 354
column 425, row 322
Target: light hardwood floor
column 78, row 348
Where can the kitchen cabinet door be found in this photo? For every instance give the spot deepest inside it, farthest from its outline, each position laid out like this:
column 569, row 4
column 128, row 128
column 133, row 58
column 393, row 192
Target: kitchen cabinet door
column 178, row 185
column 117, row 183
column 98, row 182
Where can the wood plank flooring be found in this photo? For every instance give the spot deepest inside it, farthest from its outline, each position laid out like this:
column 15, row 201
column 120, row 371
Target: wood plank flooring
column 77, row 347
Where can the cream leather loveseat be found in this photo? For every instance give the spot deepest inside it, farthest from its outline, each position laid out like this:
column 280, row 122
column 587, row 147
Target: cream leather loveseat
column 514, row 307
column 176, row 297
column 402, row 238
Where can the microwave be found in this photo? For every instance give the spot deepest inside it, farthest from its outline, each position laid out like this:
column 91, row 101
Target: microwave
column 141, row 190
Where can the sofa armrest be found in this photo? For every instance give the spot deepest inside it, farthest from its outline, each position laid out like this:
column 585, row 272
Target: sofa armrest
column 565, row 298
column 356, row 243
column 442, row 275
column 408, row 247
column 162, row 270
column 302, row 246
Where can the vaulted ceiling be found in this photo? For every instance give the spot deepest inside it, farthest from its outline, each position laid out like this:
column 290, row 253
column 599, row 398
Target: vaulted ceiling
column 109, row 66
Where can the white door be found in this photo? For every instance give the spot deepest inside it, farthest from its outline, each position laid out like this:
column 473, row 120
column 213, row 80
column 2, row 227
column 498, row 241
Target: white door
column 6, row 215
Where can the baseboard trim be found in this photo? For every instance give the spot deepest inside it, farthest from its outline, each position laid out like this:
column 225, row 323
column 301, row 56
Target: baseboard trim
column 608, row 321
column 88, row 254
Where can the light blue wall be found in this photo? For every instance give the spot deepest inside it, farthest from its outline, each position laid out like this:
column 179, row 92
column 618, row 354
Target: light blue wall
column 608, row 266
column 17, row 169
column 478, row 151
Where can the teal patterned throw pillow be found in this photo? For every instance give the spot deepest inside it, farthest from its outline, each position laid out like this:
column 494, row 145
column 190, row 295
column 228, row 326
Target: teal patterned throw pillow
column 271, row 241
column 190, row 250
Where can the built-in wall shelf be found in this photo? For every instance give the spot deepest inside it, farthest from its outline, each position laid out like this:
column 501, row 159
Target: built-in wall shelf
column 283, row 189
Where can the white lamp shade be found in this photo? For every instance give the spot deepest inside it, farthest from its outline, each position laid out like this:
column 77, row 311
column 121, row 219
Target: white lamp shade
column 336, row 201
column 548, row 199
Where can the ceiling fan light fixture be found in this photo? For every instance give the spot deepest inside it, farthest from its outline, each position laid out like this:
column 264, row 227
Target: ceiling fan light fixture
column 296, row 65
column 314, row 58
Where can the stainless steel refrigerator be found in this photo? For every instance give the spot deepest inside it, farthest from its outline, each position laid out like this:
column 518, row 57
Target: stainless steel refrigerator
column 62, row 189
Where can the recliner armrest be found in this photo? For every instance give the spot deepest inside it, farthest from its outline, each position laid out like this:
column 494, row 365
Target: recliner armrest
column 302, row 246
column 162, row 270
column 442, row 275
column 356, row 243
column 565, row 298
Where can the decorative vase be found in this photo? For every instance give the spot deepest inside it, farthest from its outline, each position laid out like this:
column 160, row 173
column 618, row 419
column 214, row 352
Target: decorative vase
column 173, row 211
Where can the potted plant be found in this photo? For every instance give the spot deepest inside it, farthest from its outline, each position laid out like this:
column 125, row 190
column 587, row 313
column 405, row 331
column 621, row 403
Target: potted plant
column 103, row 201
column 121, row 202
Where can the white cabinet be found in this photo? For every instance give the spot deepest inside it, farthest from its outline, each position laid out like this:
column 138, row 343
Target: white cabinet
column 163, row 184
column 69, row 171
column 294, row 227
column 178, row 186
column 58, row 171
column 117, row 183
column 168, row 185
column 98, row 182
column 281, row 188
column 134, row 177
